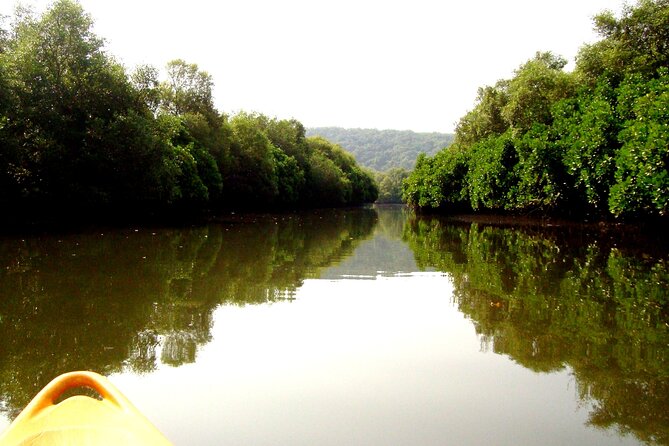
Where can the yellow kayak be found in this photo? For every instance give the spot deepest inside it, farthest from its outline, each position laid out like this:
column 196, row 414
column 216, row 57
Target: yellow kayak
column 80, row 419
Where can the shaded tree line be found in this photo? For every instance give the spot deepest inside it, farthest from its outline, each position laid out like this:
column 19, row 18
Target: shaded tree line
column 390, row 185
column 593, row 141
column 78, row 133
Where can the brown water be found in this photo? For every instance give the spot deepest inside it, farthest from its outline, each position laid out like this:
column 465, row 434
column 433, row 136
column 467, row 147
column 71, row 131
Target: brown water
column 350, row 327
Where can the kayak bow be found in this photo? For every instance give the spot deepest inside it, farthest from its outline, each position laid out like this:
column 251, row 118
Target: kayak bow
column 80, row 419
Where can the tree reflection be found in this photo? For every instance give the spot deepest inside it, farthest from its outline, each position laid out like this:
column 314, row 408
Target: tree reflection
column 129, row 299
column 590, row 299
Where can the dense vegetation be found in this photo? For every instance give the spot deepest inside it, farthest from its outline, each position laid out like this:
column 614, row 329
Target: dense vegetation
column 390, row 184
column 391, row 154
column 382, row 150
column 79, row 134
column 591, row 141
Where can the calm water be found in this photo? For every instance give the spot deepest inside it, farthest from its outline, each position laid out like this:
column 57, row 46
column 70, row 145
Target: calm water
column 350, row 327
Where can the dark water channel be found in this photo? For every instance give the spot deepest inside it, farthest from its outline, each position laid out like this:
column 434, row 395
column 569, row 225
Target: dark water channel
column 366, row 326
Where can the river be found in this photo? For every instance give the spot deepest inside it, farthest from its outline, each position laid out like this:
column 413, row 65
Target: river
column 362, row 326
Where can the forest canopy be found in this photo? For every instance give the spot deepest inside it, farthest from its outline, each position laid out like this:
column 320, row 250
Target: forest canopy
column 80, row 134
column 593, row 141
column 389, row 153
column 383, row 150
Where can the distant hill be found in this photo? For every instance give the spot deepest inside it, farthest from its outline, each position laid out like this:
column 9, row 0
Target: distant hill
column 382, row 150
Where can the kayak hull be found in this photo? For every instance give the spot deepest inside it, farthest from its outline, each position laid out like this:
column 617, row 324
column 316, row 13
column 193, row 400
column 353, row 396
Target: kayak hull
column 80, row 419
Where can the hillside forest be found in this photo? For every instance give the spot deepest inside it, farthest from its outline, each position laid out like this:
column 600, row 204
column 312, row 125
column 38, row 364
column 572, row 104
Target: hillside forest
column 590, row 142
column 81, row 135
column 382, row 150
column 390, row 154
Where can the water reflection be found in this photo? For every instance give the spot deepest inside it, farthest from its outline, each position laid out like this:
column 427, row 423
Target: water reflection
column 586, row 301
column 383, row 255
column 128, row 299
column 595, row 301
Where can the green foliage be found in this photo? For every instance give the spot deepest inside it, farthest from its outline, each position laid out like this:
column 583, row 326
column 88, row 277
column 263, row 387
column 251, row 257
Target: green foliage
column 423, row 188
column 11, row 176
column 390, row 185
column 135, row 169
column 486, row 118
column 208, row 172
column 439, row 181
column 381, row 150
column 69, row 96
column 537, row 84
column 365, row 188
column 329, row 180
column 587, row 129
column 642, row 163
column 252, row 175
column 637, row 42
column 542, row 177
column 146, row 82
column 189, row 186
column 490, row 178
column 183, row 183
column 187, row 90
column 290, row 177
column 589, row 142
column 80, row 136
column 336, row 171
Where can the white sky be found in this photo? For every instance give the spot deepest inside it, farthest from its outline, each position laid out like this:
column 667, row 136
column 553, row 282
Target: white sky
column 412, row 64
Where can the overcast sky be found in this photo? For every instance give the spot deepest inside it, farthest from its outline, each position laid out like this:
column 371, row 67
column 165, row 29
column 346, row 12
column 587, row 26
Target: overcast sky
column 413, row 64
